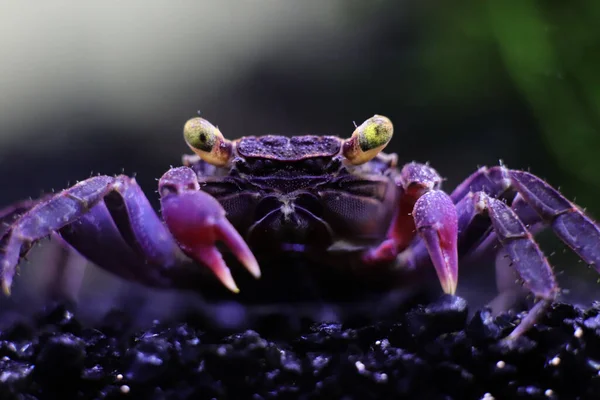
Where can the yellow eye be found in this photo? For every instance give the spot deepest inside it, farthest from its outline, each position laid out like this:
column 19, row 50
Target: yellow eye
column 368, row 140
column 207, row 141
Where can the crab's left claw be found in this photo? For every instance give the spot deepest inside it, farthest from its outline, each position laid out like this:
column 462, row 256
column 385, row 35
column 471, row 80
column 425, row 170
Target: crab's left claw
column 437, row 223
column 430, row 212
column 197, row 221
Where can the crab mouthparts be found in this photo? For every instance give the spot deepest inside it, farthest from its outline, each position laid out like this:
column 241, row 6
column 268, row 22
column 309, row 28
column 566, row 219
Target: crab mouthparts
column 293, row 247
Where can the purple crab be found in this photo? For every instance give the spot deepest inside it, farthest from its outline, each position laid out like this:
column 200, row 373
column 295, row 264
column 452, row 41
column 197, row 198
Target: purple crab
column 301, row 218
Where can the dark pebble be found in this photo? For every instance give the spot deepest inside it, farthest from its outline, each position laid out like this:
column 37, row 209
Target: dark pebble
column 14, row 378
column 147, row 360
column 448, row 314
column 430, row 352
column 484, row 327
column 59, row 318
column 59, row 362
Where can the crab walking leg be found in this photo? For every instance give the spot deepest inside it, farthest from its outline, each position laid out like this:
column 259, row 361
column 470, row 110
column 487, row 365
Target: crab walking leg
column 525, row 255
column 537, row 205
column 10, row 214
column 96, row 236
column 124, row 235
column 69, row 206
column 494, row 181
column 197, row 221
column 526, row 215
column 567, row 221
column 46, row 217
column 63, row 277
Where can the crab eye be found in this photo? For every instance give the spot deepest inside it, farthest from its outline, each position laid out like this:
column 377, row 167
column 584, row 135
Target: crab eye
column 207, row 141
column 368, row 140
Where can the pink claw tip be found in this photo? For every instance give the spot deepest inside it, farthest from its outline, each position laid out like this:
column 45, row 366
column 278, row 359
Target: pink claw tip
column 252, row 266
column 224, row 275
column 449, row 284
column 6, row 287
column 238, row 247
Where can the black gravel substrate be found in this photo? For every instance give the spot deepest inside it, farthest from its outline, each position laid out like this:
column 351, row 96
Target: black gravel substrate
column 431, row 352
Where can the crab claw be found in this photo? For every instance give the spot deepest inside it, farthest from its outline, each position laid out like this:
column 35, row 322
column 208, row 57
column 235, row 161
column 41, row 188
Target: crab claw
column 197, row 221
column 437, row 223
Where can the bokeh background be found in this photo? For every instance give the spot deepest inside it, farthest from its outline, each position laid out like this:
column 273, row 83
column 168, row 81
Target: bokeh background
column 106, row 86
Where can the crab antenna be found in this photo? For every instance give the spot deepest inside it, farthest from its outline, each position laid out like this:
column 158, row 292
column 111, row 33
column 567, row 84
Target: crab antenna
column 207, row 141
column 368, row 140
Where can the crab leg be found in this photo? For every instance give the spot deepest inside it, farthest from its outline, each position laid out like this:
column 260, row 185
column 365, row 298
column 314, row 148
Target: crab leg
column 526, row 215
column 527, row 258
column 536, row 204
column 46, row 217
column 110, row 221
column 10, row 214
column 568, row 222
column 518, row 243
column 96, row 236
column 197, row 221
column 62, row 278
column 123, row 235
column 65, row 270
column 494, row 181
column 80, row 215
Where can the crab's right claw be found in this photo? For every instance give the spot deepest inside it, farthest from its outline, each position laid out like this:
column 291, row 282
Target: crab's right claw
column 198, row 222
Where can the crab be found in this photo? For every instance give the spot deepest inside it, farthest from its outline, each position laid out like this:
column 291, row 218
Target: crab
column 294, row 218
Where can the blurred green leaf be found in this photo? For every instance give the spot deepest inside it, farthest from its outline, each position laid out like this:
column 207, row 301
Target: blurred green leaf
column 551, row 52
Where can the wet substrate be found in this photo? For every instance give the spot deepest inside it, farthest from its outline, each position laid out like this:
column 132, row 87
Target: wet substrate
column 431, row 352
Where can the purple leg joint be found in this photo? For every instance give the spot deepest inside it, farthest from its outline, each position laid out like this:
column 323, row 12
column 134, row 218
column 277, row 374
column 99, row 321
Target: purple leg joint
column 82, row 217
column 46, row 217
column 569, row 223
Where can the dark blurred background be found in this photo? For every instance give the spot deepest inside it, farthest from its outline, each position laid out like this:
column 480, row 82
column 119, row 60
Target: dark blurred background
column 104, row 88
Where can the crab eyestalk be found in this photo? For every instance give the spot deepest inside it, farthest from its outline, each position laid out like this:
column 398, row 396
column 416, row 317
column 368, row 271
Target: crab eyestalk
column 368, row 140
column 207, row 141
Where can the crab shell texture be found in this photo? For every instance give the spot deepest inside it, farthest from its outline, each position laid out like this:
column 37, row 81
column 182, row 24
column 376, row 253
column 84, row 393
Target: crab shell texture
column 307, row 216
